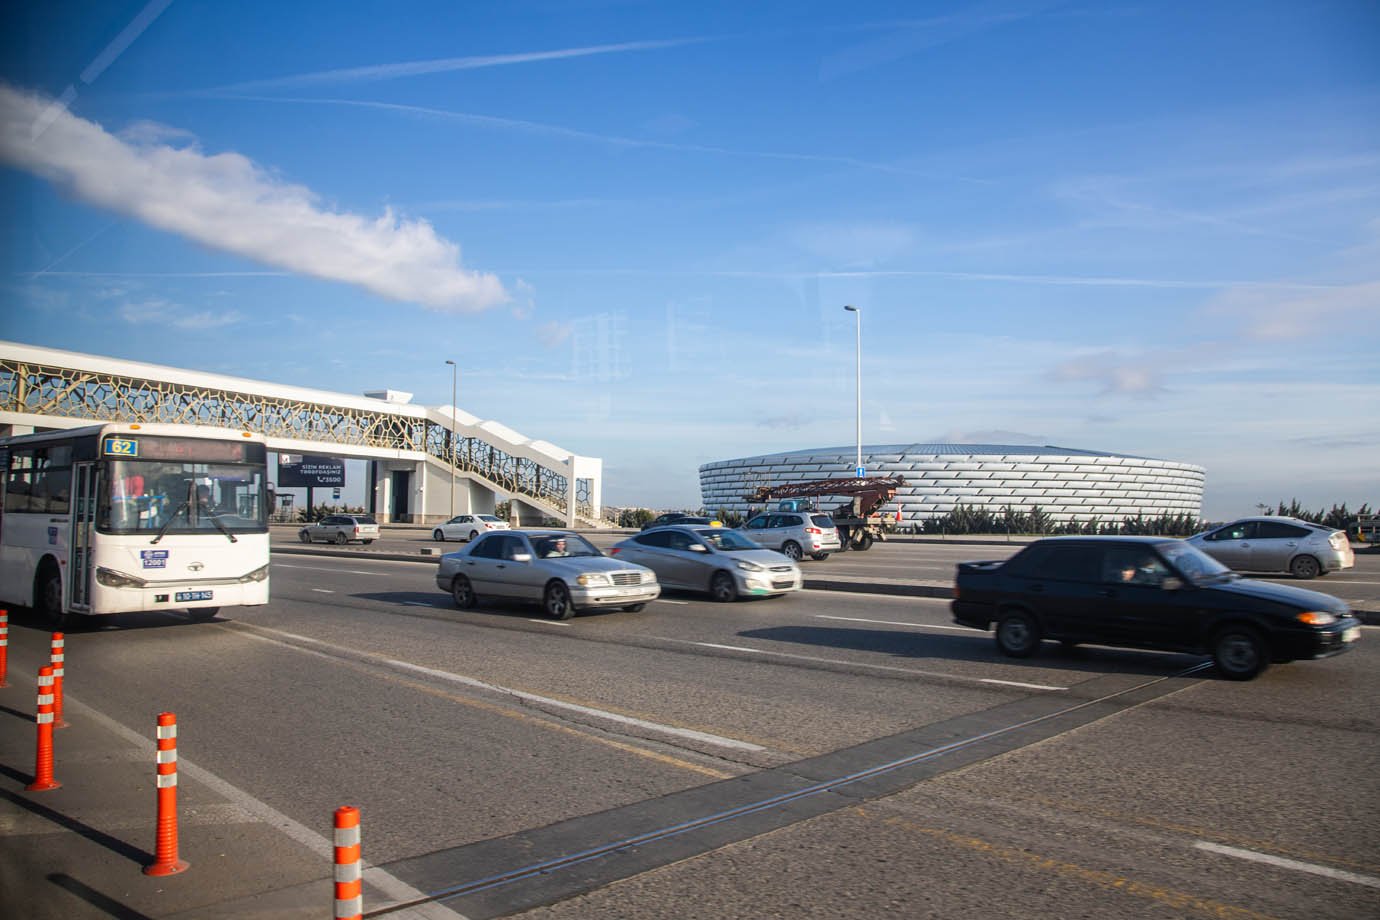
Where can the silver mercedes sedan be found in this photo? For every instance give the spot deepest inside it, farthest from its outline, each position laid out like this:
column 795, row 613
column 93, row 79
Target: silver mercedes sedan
column 558, row 569
column 720, row 561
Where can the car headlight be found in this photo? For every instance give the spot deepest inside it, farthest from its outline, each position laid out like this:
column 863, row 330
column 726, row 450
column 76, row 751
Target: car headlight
column 747, row 566
column 113, row 579
column 1316, row 618
column 259, row 574
column 593, row 580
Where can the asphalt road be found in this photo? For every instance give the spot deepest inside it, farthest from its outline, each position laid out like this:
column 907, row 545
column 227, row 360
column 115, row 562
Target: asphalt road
column 828, row 754
column 901, row 565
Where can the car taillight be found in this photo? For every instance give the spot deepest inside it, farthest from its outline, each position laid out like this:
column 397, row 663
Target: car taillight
column 356, row 531
column 814, row 530
column 613, row 551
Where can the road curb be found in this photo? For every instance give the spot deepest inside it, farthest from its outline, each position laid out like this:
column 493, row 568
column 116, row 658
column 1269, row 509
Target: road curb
column 1369, row 618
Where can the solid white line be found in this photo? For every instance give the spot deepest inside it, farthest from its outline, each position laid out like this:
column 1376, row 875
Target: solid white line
column 821, row 616
column 394, row 887
column 420, row 604
column 323, row 590
column 547, row 622
column 861, row 664
column 251, row 630
column 1016, row 683
column 1338, row 874
column 662, row 600
column 574, row 707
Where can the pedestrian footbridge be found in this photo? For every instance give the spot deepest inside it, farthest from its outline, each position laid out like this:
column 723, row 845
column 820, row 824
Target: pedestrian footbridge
column 424, row 461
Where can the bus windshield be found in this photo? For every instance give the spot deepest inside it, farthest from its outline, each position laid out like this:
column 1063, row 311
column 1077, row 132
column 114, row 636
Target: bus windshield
column 164, row 496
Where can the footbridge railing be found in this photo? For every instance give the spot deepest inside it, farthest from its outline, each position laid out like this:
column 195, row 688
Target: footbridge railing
column 45, row 387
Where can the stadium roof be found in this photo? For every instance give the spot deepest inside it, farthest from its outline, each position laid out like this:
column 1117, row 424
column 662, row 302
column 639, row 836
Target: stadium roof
column 1019, row 450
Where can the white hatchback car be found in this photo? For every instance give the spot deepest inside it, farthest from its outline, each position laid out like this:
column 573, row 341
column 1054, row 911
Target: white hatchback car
column 467, row 527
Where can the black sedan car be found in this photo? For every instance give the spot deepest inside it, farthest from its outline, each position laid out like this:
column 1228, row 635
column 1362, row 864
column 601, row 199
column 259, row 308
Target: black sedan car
column 676, row 517
column 1151, row 593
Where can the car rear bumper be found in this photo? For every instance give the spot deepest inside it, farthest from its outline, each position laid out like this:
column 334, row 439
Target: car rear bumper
column 966, row 613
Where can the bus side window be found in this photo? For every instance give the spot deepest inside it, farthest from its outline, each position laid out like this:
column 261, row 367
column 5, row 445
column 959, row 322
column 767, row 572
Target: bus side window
column 19, row 481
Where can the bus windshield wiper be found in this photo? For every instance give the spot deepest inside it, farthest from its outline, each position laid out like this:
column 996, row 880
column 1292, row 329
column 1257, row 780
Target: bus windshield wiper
column 215, row 519
column 185, row 506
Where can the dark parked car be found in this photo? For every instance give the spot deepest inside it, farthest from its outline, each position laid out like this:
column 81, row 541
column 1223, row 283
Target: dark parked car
column 1152, row 593
column 675, row 517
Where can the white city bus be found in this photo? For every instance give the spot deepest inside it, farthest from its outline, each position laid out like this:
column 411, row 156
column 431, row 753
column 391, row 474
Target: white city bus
column 125, row 517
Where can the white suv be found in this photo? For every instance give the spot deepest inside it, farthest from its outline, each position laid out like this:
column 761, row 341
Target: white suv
column 794, row 533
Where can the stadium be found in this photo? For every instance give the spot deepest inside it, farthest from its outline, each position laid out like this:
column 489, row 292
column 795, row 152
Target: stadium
column 1068, row 485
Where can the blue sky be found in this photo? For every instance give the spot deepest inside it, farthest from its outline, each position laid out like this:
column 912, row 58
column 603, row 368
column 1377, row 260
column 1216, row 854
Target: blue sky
column 1148, row 228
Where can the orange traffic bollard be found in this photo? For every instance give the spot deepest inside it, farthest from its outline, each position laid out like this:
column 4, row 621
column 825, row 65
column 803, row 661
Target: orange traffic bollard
column 165, row 861
column 56, row 658
column 4, row 645
column 43, row 761
column 349, row 880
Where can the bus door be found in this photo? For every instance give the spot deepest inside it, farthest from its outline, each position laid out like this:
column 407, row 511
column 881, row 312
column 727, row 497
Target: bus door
column 79, row 566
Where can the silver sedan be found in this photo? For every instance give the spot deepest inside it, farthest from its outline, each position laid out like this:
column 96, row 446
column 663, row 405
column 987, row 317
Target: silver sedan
column 722, row 562
column 561, row 570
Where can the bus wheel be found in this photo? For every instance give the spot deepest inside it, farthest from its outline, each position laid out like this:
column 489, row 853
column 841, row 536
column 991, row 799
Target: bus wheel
column 48, row 594
column 203, row 613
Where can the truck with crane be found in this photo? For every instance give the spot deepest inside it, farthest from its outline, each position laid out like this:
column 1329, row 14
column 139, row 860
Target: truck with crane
column 865, row 495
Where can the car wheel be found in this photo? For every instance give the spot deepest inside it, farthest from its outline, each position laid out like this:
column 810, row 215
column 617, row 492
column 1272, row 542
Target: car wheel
column 557, row 601
column 473, row 534
column 203, row 613
column 634, row 608
column 1305, row 567
column 819, row 557
column 439, row 536
column 1239, row 653
column 341, row 539
column 48, row 594
column 1018, row 635
column 304, row 537
column 792, row 550
column 723, row 588
column 462, row 593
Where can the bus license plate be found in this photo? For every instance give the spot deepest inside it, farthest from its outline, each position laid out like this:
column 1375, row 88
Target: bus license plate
column 192, row 596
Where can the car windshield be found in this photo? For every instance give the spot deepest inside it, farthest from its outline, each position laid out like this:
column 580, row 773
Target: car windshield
column 490, row 518
column 1194, row 564
column 551, row 545
column 726, row 540
column 822, row 520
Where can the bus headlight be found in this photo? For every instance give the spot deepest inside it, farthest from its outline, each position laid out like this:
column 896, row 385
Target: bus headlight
column 259, row 574
column 113, row 579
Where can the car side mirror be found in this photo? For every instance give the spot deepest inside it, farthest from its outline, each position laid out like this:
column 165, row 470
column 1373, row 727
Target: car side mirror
column 1171, row 583
column 522, row 557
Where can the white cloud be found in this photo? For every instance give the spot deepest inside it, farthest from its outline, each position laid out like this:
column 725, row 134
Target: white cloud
column 163, row 313
column 1114, row 372
column 1268, row 315
column 229, row 203
column 376, row 72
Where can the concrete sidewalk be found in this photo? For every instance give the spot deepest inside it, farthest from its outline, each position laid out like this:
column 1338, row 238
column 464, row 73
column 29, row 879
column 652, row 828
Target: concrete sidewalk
column 78, row 851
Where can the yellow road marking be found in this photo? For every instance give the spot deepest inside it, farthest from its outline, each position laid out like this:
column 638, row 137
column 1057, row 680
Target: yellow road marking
column 1177, row 900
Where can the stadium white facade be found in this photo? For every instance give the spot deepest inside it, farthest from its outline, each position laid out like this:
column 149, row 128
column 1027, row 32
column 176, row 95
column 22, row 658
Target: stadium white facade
column 1067, row 484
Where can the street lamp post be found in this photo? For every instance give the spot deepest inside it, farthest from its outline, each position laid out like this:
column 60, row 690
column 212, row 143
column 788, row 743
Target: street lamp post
column 454, row 372
column 857, row 312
